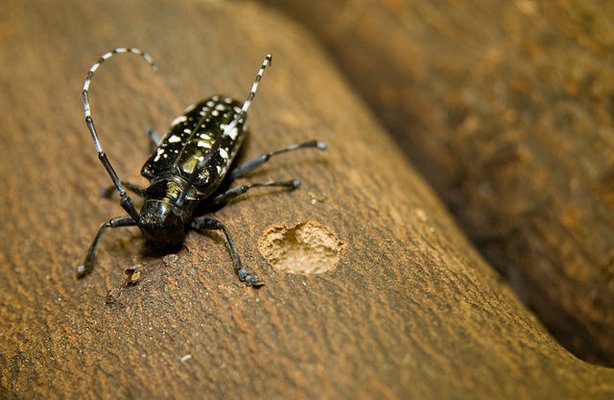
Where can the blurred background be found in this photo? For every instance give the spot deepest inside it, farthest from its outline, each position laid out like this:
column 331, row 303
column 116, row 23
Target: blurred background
column 507, row 108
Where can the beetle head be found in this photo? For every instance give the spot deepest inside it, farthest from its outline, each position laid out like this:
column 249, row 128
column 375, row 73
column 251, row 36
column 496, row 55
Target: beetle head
column 162, row 223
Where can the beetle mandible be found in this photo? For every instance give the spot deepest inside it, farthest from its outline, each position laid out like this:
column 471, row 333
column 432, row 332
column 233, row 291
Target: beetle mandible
column 191, row 169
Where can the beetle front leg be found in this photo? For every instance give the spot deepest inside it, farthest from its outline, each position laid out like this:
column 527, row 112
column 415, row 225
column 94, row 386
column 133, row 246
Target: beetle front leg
column 88, row 264
column 210, row 224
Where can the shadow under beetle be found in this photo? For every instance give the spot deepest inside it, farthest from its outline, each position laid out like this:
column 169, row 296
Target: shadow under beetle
column 191, row 169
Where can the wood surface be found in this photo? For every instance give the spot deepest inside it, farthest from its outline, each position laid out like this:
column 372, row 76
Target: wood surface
column 410, row 310
column 506, row 108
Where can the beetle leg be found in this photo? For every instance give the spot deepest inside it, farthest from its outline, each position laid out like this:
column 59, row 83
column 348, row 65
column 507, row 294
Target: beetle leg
column 239, row 190
column 210, row 224
column 251, row 165
column 88, row 265
column 107, row 192
column 154, row 136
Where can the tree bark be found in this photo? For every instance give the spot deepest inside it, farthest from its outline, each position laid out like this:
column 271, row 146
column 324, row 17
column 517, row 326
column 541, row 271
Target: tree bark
column 405, row 308
column 506, row 108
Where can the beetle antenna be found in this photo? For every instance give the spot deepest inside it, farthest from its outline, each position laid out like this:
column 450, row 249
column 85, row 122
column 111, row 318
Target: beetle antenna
column 126, row 202
column 268, row 59
column 232, row 125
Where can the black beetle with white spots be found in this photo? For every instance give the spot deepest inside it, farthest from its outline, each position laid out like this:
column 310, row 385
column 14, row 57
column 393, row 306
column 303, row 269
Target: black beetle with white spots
column 190, row 171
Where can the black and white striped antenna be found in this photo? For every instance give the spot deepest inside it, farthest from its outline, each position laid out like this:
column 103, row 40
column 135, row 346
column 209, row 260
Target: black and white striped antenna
column 232, row 125
column 126, row 202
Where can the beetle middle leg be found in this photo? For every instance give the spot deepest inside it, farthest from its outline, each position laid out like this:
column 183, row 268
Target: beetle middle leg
column 239, row 190
column 257, row 162
column 107, row 192
column 154, row 136
column 210, row 224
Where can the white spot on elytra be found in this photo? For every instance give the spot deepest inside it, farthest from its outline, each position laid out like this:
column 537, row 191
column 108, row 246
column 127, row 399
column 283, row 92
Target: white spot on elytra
column 233, row 133
column 210, row 103
column 187, row 130
column 218, row 168
column 174, row 139
column 203, row 144
column 179, row 119
column 223, row 153
column 220, row 107
column 215, row 113
column 159, row 154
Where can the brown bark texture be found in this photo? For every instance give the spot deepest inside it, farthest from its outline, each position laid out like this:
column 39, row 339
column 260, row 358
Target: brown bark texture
column 506, row 107
column 398, row 304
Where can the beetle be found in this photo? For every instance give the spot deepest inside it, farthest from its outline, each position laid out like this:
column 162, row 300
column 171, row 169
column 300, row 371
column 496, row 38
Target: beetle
column 190, row 170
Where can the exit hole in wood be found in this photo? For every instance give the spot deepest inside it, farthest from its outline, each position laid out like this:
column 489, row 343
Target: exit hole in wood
column 304, row 248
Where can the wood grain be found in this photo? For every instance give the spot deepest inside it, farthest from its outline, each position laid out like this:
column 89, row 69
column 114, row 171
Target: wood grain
column 411, row 311
column 506, row 108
